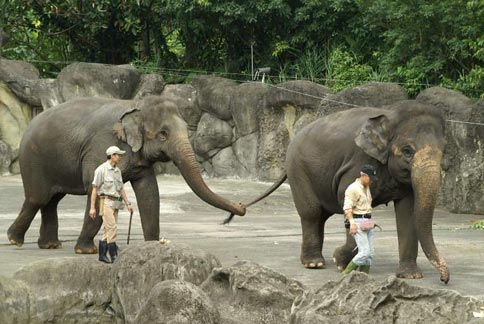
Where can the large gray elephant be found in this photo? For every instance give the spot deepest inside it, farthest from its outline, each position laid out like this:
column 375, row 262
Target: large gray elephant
column 63, row 146
column 404, row 144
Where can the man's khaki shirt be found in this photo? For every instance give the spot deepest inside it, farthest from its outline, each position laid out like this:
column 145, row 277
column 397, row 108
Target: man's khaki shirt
column 357, row 198
column 108, row 180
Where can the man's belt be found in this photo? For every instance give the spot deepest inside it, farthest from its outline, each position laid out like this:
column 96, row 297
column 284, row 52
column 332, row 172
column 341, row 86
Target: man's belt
column 361, row 215
column 112, row 198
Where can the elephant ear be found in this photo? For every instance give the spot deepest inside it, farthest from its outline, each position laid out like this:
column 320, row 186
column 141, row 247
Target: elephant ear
column 374, row 137
column 129, row 129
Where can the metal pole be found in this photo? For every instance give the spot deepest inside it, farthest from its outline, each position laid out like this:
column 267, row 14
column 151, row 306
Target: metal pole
column 252, row 60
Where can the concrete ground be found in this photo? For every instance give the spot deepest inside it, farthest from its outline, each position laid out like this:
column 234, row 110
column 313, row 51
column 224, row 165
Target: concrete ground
column 270, row 234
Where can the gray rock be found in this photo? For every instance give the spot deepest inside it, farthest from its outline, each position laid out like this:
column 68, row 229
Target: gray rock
column 185, row 97
column 367, row 95
column 139, row 268
column 98, row 80
column 5, row 159
column 275, row 129
column 247, row 100
column 463, row 176
column 245, row 149
column 212, row 133
column 453, row 103
column 14, row 302
column 300, row 93
column 68, row 290
column 177, row 302
column 149, row 85
column 14, row 119
column 357, row 298
column 225, row 164
column 214, row 95
column 249, row 293
column 12, row 70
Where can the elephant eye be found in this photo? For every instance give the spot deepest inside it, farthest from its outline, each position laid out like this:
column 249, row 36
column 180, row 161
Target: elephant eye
column 408, row 151
column 163, row 135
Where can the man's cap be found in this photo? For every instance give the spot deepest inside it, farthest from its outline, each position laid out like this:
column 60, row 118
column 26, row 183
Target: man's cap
column 370, row 171
column 114, row 150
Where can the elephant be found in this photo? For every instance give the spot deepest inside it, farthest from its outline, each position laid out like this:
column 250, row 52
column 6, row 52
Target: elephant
column 405, row 144
column 62, row 147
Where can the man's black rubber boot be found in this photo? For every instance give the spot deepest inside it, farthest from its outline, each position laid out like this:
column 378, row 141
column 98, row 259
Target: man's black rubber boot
column 113, row 251
column 103, row 249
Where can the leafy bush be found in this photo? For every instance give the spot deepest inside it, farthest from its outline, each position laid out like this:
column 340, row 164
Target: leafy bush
column 478, row 225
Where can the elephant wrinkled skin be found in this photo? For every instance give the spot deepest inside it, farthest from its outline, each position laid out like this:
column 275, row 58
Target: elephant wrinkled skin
column 63, row 146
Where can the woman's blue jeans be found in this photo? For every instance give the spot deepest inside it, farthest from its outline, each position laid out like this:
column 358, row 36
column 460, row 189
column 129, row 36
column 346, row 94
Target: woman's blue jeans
column 364, row 241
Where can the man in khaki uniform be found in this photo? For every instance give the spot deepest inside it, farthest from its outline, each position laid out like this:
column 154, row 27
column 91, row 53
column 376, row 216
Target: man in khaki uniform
column 108, row 185
column 357, row 208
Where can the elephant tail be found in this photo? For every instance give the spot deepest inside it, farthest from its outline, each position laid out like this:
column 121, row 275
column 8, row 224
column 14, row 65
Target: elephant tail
column 273, row 188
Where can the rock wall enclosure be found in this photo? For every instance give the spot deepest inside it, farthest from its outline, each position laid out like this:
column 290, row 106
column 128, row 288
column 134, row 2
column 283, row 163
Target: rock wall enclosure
column 158, row 283
column 243, row 129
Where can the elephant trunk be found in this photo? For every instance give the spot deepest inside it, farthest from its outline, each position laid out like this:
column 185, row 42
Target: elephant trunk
column 184, row 159
column 426, row 185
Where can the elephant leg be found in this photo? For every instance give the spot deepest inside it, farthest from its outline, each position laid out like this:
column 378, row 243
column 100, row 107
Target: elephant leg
column 313, row 219
column 313, row 239
column 407, row 239
column 16, row 231
column 148, row 198
column 50, row 224
column 345, row 253
column 90, row 227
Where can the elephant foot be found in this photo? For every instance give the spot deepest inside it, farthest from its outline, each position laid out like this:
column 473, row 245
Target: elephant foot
column 15, row 239
column 85, row 248
column 342, row 256
column 409, row 270
column 316, row 263
column 49, row 244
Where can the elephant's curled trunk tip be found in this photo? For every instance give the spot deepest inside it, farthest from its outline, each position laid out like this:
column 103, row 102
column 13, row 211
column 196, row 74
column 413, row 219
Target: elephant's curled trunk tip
column 241, row 209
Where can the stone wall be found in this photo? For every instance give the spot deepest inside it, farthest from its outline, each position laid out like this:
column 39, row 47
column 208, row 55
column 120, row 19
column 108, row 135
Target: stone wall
column 242, row 129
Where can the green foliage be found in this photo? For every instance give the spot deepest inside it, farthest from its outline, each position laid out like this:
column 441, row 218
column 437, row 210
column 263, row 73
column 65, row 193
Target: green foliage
column 344, row 70
column 336, row 42
column 478, row 225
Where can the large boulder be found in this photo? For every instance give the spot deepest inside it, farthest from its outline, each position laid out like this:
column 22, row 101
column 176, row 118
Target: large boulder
column 463, row 176
column 357, row 298
column 212, row 134
column 300, row 93
column 214, row 95
column 23, row 79
column 226, row 164
column 149, row 85
column 14, row 302
column 454, row 104
column 98, row 80
column 185, row 98
column 282, row 107
column 247, row 100
column 250, row 293
column 139, row 268
column 368, row 95
column 68, row 290
column 245, row 149
column 177, row 302
column 14, row 119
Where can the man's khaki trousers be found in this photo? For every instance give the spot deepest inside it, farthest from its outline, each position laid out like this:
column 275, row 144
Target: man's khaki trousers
column 110, row 220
